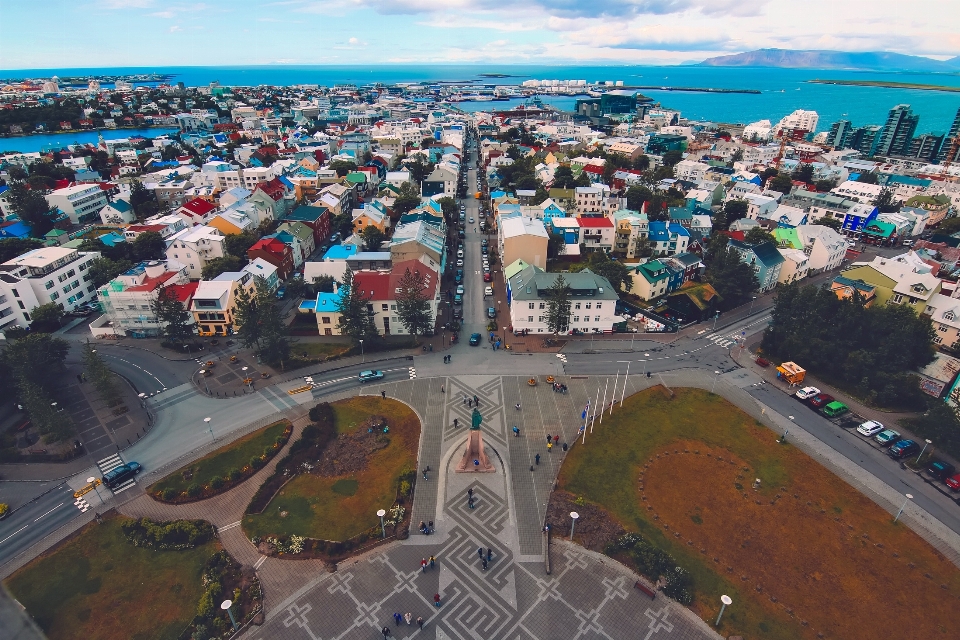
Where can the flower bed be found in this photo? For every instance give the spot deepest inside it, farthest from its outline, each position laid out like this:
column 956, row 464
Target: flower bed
column 224, row 468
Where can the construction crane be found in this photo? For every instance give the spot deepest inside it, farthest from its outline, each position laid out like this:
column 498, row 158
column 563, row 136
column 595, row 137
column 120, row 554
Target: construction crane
column 951, row 154
column 782, row 151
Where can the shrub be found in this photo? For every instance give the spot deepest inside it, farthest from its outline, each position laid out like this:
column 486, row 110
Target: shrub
column 170, row 494
column 179, row 534
column 679, row 585
column 235, row 474
column 256, row 462
column 280, row 440
column 194, row 490
column 268, row 451
column 216, row 482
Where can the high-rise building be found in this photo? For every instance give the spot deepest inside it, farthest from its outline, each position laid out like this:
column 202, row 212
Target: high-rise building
column 926, row 146
column 839, row 132
column 948, row 141
column 897, row 132
column 864, row 139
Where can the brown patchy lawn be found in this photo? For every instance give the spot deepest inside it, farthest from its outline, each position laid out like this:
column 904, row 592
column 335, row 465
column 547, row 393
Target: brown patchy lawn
column 340, row 507
column 815, row 558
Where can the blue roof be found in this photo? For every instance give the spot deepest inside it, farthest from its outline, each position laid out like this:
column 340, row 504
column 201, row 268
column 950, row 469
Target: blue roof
column 340, row 252
column 112, row 239
column 121, row 205
column 16, row 229
column 328, row 301
column 661, row 231
column 286, row 183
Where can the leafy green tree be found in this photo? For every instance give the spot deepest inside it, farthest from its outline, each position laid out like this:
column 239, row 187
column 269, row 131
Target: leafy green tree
column 758, row 235
column 419, row 170
column 324, row 284
column 558, row 306
column 149, row 246
column 583, row 180
column 514, row 152
column 46, row 317
column 17, row 173
column 173, row 317
column 407, row 200
column 824, row 185
column 238, row 243
column 637, row 195
column 885, row 201
column 216, row 266
column 449, row 208
column 247, row 318
column 833, row 223
column 275, row 345
column 11, row 248
column 36, row 356
column 803, row 173
column 781, row 183
column 372, row 238
column 54, row 425
column 103, row 270
column 642, row 163
column 555, row 245
column 142, row 200
column 103, row 379
column 947, row 227
column 356, row 320
column 671, row 158
column 342, row 167
column 31, row 207
column 563, row 178
column 413, row 303
column 614, row 271
column 732, row 278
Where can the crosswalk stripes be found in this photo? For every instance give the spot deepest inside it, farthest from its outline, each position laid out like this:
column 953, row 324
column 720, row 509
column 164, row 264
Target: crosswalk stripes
column 82, row 504
column 109, row 464
column 562, row 357
column 723, row 341
column 413, row 373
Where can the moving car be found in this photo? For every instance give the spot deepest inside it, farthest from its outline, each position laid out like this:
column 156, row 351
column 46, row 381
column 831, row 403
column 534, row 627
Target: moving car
column 820, row 400
column 488, row 291
column 903, row 448
column 870, row 428
column 370, row 374
column 806, row 393
column 491, row 312
column 941, row 470
column 474, row 339
column 471, row 219
column 834, row 409
column 121, row 474
column 887, row 437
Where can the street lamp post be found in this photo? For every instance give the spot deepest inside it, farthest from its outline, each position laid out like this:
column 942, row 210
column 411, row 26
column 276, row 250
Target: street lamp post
column 210, row 429
column 716, row 376
column 383, row 530
column 751, row 305
column 225, row 605
column 362, row 359
column 715, row 318
column 724, row 601
column 573, row 522
column 91, row 480
column 928, row 443
column 903, row 506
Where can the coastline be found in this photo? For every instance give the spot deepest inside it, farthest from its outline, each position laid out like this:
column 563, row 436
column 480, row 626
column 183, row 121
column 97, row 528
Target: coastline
column 67, row 132
column 888, row 84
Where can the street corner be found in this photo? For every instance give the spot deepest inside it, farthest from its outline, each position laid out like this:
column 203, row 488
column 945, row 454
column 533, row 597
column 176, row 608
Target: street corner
column 743, row 378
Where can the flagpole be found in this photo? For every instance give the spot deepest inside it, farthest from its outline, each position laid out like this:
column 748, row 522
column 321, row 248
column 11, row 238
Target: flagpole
column 605, row 387
column 594, row 418
column 625, row 384
column 613, row 398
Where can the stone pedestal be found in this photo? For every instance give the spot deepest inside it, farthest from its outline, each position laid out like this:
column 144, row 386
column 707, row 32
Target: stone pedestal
column 474, row 458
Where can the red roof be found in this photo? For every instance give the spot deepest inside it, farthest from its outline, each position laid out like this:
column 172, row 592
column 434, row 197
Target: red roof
column 373, row 285
column 595, row 223
column 592, row 168
column 270, row 245
column 273, row 188
column 198, row 207
column 149, row 284
column 737, row 235
column 184, row 292
column 143, row 228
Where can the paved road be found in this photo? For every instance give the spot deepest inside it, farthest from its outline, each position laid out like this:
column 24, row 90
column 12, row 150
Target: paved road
column 36, row 519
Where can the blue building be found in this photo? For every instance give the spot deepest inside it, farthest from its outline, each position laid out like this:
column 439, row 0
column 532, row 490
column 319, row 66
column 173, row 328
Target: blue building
column 857, row 217
column 765, row 260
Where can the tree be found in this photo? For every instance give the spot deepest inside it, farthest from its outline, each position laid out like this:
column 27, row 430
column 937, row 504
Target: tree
column 636, row 196
column 11, row 248
column 46, row 317
column 758, row 235
column 734, row 210
column 407, row 200
column 216, row 266
column 583, row 180
column 672, row 157
column 803, row 173
column 833, row 223
column 555, row 245
column 247, row 318
column 615, row 272
column 781, row 183
column 17, row 173
column 413, row 303
column 101, row 376
column 868, row 177
column 103, row 270
column 172, row 316
column 419, row 170
column 142, row 200
column 149, row 245
column 514, row 152
column 35, row 357
column 657, row 210
column 31, row 207
column 449, row 208
column 237, row 244
column 356, row 320
column 732, row 278
column 324, row 284
column 558, row 306
column 563, row 178
column 824, row 185
column 737, row 156
column 372, row 238
column 342, row 167
column 275, row 347
column 885, row 202
column 642, row 163
column 53, row 425
column 947, row 227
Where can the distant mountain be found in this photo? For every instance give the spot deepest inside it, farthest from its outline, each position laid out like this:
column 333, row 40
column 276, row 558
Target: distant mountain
column 868, row 61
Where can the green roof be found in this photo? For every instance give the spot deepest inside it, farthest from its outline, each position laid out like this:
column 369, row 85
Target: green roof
column 880, row 229
column 356, row 177
column 787, row 237
column 653, row 271
column 514, row 268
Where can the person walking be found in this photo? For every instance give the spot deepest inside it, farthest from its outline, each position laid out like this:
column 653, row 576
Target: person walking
column 489, row 554
column 564, row 446
column 549, row 438
column 383, row 394
column 464, row 398
column 537, row 458
column 408, row 617
column 470, row 492
column 397, row 618
column 436, row 599
column 480, row 552
column 441, row 389
column 518, row 406
column 425, row 472
column 470, row 502
column 556, row 439
column 516, row 432
column 483, row 561
column 423, row 566
column 456, row 423
column 549, row 447
column 420, row 622
column 386, row 632
column 433, row 562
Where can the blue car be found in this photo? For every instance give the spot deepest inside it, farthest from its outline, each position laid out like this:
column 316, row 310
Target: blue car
column 474, row 339
column 903, row 449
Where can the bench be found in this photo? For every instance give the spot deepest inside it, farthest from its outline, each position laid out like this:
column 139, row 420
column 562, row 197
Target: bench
column 645, row 589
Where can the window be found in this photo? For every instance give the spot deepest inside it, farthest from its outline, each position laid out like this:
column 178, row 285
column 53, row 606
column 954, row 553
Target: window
column 596, row 318
column 897, row 299
column 529, row 318
column 325, row 319
column 54, row 295
column 15, row 294
column 539, row 318
column 938, row 340
column 942, row 328
column 49, row 285
column 384, row 307
column 576, row 318
column 588, row 305
column 75, row 284
column 543, row 305
column 21, row 304
column 531, row 305
column 598, row 304
column 71, row 273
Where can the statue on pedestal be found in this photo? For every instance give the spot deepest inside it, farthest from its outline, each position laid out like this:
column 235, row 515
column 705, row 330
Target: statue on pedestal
column 474, row 458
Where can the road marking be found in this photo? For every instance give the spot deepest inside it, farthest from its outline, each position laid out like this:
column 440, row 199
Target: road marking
column 230, row 526
column 259, row 562
column 138, row 367
column 413, row 373
column 14, row 533
column 51, row 511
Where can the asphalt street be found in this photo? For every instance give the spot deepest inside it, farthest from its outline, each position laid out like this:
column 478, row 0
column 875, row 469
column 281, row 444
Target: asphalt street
column 39, row 517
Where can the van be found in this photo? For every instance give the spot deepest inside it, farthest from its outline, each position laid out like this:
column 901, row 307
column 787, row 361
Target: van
column 121, row 474
column 834, row 409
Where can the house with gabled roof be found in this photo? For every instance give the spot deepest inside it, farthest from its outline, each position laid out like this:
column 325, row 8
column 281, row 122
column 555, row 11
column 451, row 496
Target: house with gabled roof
column 381, row 288
column 117, row 212
column 276, row 253
column 593, row 301
column 764, row 258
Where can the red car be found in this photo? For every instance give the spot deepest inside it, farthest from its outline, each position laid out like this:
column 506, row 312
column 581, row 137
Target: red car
column 487, row 277
column 953, row 482
column 821, row 400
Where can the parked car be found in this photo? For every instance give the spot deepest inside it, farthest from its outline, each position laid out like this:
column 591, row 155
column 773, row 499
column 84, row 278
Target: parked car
column 953, row 482
column 458, row 299
column 370, row 374
column 121, row 474
column 834, row 409
column 870, row 428
column 460, row 262
column 806, row 393
column 460, row 289
column 491, row 312
column 903, row 448
column 459, row 277
column 487, row 277
column 457, row 313
column 762, row 362
column 820, row 400
column 887, row 437
column 474, row 339
column 488, row 291
column 941, row 470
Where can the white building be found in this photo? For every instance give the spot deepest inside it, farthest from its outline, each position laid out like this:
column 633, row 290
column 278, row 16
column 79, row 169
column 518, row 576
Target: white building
column 588, row 200
column 129, row 299
column 592, row 308
column 799, row 119
column 760, row 206
column 796, row 266
column 825, row 247
column 40, row 276
column 761, row 130
column 82, row 202
column 196, row 246
column 859, row 191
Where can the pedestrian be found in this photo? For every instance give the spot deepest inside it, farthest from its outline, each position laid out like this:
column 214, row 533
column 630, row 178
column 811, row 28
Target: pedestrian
column 516, row 432
column 423, row 566
column 423, row 527
column 408, row 617
column 420, row 622
column 564, row 446
column 433, row 562
column 470, row 492
column 483, row 561
column 424, row 474
column 397, row 618
column 386, row 632
column 556, row 439
column 480, row 552
column 470, row 502
column 441, row 389
column 456, row 423
column 470, row 403
column 464, row 398
column 489, row 554
column 549, row 447
column 518, row 406
column 476, row 400
column 383, row 394
column 436, row 599
column 430, row 524
column 537, row 458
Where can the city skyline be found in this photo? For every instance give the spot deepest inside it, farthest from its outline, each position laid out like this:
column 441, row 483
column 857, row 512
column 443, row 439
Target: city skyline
column 290, row 32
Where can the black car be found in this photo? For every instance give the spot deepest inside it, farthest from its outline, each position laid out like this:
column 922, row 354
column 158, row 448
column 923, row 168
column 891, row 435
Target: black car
column 903, row 449
column 121, row 474
column 941, row 470
column 460, row 233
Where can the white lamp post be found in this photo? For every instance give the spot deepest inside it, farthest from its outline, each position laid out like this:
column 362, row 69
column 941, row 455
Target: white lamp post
column 210, row 429
column 573, row 522
column 383, row 530
column 716, row 376
column 90, row 481
column 362, row 359
column 928, row 443
column 724, row 600
column 225, row 605
column 909, row 498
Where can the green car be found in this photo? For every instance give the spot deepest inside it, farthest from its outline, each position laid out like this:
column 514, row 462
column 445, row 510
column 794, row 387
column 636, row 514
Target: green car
column 834, row 409
column 887, row 437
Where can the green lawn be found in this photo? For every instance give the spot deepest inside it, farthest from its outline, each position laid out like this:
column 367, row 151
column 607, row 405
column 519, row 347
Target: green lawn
column 338, row 508
column 221, row 462
column 99, row 585
column 318, row 349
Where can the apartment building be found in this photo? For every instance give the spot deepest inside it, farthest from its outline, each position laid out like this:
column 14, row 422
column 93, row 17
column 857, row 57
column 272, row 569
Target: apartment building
column 129, row 300
column 196, row 246
column 48, row 274
column 82, row 203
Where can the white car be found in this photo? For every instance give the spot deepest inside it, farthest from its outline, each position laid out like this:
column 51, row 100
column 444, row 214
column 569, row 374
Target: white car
column 488, row 291
column 460, row 289
column 460, row 262
column 870, row 428
column 806, row 393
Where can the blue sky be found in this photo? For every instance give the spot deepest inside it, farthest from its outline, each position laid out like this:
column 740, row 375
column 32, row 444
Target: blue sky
column 110, row 33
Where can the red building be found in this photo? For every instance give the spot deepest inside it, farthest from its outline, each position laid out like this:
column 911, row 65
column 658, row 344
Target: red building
column 276, row 253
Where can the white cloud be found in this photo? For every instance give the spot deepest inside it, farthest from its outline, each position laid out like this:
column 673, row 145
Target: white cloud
column 163, row 14
column 175, row 28
column 125, row 4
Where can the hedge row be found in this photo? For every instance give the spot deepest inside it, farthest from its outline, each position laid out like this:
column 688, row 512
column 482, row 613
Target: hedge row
column 655, row 563
column 179, row 534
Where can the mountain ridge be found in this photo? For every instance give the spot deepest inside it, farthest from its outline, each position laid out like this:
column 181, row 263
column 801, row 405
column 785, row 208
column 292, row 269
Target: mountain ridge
column 827, row 59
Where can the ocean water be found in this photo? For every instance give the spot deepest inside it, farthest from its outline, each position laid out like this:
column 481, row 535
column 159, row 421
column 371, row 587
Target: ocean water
column 47, row 141
column 782, row 90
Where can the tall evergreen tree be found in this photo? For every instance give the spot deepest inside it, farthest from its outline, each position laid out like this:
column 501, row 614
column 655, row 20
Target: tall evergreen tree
column 172, row 316
column 413, row 305
column 558, row 306
column 356, row 320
